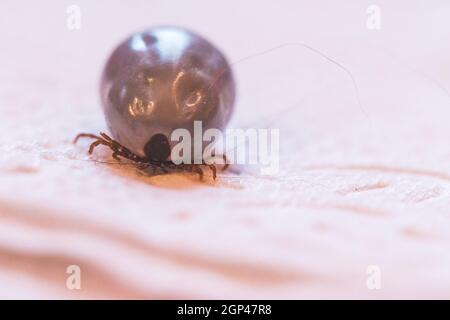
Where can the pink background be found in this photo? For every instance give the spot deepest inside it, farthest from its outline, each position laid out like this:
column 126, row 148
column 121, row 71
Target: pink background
column 358, row 185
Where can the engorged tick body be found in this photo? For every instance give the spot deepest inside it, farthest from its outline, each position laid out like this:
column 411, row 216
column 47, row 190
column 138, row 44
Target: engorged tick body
column 157, row 81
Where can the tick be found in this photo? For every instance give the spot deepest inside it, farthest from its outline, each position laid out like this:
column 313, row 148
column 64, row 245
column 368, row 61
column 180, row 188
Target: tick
column 157, row 81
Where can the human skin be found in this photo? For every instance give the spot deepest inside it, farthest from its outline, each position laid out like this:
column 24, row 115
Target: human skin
column 363, row 188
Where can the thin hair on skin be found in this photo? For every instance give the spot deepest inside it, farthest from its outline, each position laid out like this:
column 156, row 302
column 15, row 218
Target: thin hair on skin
column 420, row 73
column 311, row 49
column 270, row 119
column 276, row 116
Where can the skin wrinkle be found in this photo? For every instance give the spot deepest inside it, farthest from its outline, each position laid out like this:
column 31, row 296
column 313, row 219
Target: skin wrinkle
column 421, row 196
column 363, row 188
column 49, row 268
column 410, row 129
column 326, row 206
column 250, row 274
column 256, row 177
column 417, row 234
column 382, row 168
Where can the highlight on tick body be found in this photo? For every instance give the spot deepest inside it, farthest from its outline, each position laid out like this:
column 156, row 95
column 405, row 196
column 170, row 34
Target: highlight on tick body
column 241, row 146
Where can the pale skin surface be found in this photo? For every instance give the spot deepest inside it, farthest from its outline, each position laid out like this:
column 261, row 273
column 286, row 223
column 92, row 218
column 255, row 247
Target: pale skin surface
column 359, row 185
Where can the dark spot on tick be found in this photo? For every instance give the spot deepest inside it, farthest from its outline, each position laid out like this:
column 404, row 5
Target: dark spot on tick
column 157, row 148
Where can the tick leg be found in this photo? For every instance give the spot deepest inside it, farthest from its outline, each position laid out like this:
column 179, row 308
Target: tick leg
column 118, row 149
column 162, row 167
column 154, row 166
column 143, row 166
column 86, row 135
column 226, row 163
column 97, row 143
column 198, row 170
column 213, row 170
column 115, row 156
column 99, row 140
column 141, row 163
column 106, row 137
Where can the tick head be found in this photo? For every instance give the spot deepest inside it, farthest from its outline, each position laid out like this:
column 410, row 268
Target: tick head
column 157, row 148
